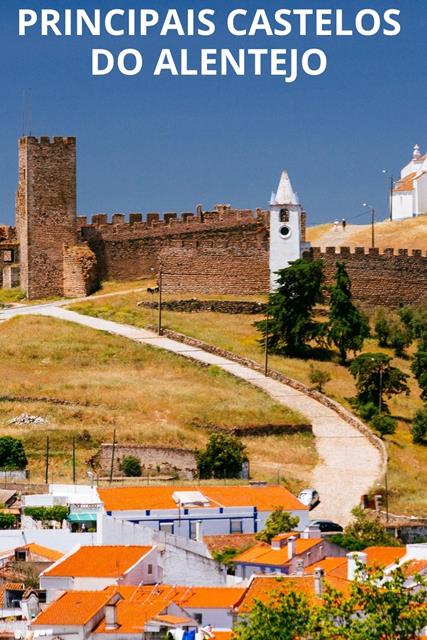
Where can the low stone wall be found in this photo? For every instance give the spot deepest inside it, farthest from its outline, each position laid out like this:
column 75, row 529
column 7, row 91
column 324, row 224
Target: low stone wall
column 180, row 463
column 194, row 305
column 295, row 384
column 80, row 271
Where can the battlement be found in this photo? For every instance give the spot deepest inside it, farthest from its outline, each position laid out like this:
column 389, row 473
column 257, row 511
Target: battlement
column 7, row 233
column 346, row 252
column 47, row 140
column 118, row 225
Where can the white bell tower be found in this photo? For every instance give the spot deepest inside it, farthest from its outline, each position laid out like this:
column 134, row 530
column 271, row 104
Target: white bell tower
column 287, row 236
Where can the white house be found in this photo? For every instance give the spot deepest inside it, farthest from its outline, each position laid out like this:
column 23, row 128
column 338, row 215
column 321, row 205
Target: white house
column 192, row 512
column 409, row 197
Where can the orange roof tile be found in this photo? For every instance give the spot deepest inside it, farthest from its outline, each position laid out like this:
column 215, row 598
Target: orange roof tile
column 99, row 562
column 265, row 498
column 209, row 597
column 172, row 619
column 73, row 608
column 263, row 554
column 412, row 567
column 334, row 567
column 222, row 635
column 263, row 588
column 44, row 552
column 406, row 184
column 384, row 556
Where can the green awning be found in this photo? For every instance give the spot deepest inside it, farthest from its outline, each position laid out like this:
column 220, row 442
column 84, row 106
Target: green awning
column 82, row 517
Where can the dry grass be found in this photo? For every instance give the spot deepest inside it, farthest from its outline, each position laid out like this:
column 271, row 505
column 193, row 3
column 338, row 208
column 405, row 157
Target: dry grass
column 148, row 395
column 408, row 462
column 9, row 296
column 400, row 234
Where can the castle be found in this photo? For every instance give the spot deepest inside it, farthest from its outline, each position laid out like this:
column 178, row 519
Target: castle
column 53, row 252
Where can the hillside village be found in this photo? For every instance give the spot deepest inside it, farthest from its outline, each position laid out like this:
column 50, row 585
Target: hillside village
column 173, row 461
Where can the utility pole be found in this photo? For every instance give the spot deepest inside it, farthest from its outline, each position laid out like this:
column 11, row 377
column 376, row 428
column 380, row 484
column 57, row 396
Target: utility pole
column 74, row 461
column 160, row 331
column 113, row 453
column 47, row 461
column 391, row 197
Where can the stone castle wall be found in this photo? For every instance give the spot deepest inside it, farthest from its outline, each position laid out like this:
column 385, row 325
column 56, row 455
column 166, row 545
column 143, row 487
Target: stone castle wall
column 386, row 278
column 80, row 271
column 45, row 211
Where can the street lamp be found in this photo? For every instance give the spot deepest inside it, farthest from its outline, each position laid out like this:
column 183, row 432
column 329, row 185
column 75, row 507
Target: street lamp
column 369, row 206
column 386, row 172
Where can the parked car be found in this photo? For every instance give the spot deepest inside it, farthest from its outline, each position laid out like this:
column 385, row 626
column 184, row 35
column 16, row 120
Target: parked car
column 327, row 526
column 309, row 497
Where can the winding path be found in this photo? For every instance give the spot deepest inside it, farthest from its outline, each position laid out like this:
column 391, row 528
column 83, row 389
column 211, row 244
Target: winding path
column 349, row 463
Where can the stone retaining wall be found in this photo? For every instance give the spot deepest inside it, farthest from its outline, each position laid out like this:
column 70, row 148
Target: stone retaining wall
column 217, row 306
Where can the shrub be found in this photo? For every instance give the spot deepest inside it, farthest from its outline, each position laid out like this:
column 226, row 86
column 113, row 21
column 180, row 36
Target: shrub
column 419, row 427
column 12, row 454
column 319, row 378
column 222, row 458
column 382, row 328
column 131, row 467
column 385, row 425
column 47, row 514
column 364, row 531
column 279, row 521
column 7, row 521
column 367, row 411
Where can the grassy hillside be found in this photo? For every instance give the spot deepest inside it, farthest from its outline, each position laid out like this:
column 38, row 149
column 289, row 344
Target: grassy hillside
column 408, row 462
column 402, row 234
column 148, row 395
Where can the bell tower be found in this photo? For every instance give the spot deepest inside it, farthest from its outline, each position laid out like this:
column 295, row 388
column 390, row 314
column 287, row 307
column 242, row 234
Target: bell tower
column 287, row 228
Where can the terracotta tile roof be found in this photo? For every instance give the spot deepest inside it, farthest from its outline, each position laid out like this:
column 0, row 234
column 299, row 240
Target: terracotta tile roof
column 334, row 567
column 44, row 552
column 384, row 556
column 209, row 597
column 99, row 562
column 222, row 635
column 406, row 184
column 172, row 619
column 240, row 541
column 139, row 498
column 412, row 567
column 263, row 554
column 132, row 616
column 262, row 588
column 73, row 608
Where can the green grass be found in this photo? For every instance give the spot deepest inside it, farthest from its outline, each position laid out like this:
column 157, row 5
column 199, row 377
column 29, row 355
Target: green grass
column 9, row 296
column 236, row 333
column 150, row 396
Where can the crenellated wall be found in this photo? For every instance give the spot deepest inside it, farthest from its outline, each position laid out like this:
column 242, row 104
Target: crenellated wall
column 388, row 278
column 126, row 250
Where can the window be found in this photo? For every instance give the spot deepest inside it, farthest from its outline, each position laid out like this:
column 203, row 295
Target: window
column 236, row 526
column 21, row 556
column 150, row 569
column 198, row 618
column 285, row 231
column 193, row 530
column 166, row 527
column 284, row 215
column 7, row 256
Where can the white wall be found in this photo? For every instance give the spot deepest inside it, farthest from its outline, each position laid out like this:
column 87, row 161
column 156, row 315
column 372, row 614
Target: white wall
column 403, row 204
column 58, row 539
column 421, row 194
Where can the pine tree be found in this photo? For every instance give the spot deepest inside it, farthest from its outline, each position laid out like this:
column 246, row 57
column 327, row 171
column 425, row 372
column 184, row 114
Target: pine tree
column 348, row 327
column 290, row 324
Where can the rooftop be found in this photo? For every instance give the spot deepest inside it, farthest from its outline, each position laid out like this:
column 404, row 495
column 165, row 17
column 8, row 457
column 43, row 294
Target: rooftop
column 263, row 554
column 73, row 608
column 265, row 498
column 384, row 556
column 99, row 562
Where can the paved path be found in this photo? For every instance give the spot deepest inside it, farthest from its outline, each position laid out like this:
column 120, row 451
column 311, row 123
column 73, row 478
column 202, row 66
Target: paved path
column 349, row 464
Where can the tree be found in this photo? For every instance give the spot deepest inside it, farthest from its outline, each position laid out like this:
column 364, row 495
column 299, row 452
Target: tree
column 419, row 427
column 415, row 319
column 382, row 328
column 400, row 338
column 47, row 514
column 376, row 377
column 364, row 531
column 348, row 327
column 419, row 366
column 223, row 457
column 131, row 467
column 319, row 378
column 384, row 424
column 12, row 454
column 291, row 325
column 279, row 521
column 7, row 521
column 377, row 607
column 285, row 616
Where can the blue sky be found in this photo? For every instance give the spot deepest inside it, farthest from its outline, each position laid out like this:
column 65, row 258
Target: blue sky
column 166, row 144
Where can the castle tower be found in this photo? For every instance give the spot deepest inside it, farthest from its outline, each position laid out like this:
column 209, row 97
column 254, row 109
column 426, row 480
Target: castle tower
column 45, row 212
column 287, row 228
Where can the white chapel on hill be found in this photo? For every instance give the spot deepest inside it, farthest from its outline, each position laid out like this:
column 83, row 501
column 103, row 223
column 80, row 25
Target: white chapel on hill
column 410, row 192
